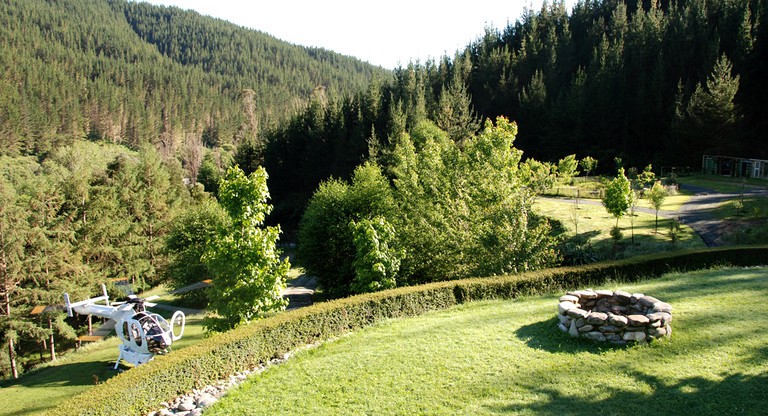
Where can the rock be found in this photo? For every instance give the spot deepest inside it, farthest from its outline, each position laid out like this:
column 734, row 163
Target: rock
column 657, row 332
column 586, row 294
column 569, row 298
column 577, row 313
column 648, row 301
column 586, row 328
column 563, row 327
column 597, row 318
column 622, row 296
column 205, row 400
column 562, row 307
column 619, row 310
column 637, row 320
column 669, row 330
column 617, row 320
column 604, row 294
column 613, row 337
column 581, row 322
column 196, row 412
column 634, row 336
column 187, row 405
column 564, row 319
column 609, row 329
column 655, row 317
column 666, row 318
column 662, row 307
column 594, row 336
column 573, row 330
column 635, row 297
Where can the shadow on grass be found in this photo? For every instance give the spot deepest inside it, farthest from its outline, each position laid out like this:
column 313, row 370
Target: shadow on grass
column 545, row 335
column 734, row 394
column 73, row 374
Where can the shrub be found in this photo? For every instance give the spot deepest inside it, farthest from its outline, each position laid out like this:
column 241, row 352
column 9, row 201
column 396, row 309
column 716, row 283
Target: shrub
column 326, row 243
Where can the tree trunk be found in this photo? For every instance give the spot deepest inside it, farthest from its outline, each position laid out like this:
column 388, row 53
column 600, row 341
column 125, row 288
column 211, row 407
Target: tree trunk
column 50, row 341
column 12, row 359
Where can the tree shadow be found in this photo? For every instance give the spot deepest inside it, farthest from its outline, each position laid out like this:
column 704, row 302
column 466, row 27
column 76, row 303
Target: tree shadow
column 73, row 374
column 545, row 335
column 734, row 394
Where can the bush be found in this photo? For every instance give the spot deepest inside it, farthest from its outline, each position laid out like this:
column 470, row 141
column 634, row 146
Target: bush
column 143, row 388
column 326, row 243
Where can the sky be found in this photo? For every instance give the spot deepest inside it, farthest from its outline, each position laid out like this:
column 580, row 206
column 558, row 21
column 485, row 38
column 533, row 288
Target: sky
column 388, row 33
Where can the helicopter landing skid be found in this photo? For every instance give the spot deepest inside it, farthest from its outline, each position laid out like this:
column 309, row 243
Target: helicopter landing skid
column 133, row 357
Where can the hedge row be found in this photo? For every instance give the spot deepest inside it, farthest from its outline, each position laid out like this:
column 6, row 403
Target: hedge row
column 143, row 388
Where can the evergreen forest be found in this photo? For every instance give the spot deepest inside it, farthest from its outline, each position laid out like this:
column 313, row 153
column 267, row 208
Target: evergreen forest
column 119, row 118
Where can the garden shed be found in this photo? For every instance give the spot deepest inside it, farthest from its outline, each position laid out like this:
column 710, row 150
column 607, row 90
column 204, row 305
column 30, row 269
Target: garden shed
column 738, row 167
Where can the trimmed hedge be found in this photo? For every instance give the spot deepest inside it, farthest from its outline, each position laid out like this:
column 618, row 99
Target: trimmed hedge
column 143, row 388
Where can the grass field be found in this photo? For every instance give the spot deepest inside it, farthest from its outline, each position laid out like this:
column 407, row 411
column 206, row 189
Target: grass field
column 595, row 223
column 726, row 185
column 508, row 357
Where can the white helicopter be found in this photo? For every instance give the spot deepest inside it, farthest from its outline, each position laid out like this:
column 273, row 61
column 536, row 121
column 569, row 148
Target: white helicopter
column 143, row 334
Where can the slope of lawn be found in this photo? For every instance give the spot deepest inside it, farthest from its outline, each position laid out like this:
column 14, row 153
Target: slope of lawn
column 508, row 357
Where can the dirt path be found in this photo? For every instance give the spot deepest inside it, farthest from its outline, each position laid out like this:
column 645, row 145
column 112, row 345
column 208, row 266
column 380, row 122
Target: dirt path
column 299, row 291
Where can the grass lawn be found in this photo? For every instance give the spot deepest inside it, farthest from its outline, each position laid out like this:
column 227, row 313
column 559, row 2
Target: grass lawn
column 723, row 184
column 508, row 357
column 75, row 373
column 595, row 222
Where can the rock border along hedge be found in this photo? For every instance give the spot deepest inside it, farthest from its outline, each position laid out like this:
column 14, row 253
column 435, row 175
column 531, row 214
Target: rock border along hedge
column 616, row 317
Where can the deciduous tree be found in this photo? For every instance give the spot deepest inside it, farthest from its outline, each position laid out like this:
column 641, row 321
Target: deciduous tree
column 248, row 275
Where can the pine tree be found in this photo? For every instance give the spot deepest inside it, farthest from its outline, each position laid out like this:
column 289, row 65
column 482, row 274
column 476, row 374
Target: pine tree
column 711, row 116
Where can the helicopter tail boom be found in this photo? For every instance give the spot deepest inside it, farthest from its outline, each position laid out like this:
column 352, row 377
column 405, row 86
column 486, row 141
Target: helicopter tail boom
column 88, row 307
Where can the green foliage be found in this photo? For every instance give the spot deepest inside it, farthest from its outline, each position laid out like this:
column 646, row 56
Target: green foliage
column 189, row 235
column 455, row 114
column 143, row 388
column 464, row 211
column 589, row 164
column 538, row 176
column 566, row 168
column 710, row 119
column 674, row 231
column 656, row 195
column 616, row 234
column 135, row 73
column 618, row 196
column 326, row 240
column 376, row 261
column 248, row 275
column 647, row 178
column 86, row 213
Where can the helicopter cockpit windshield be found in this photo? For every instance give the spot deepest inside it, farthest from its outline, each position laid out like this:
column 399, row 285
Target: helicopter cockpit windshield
column 156, row 330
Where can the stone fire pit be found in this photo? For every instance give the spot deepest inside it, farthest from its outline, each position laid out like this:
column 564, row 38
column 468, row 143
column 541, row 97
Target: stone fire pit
column 616, row 317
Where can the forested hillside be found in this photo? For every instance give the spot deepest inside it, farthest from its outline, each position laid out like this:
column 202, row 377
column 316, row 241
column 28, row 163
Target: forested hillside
column 133, row 73
column 651, row 81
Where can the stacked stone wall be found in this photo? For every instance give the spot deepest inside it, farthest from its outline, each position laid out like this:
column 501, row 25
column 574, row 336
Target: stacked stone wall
column 616, row 317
